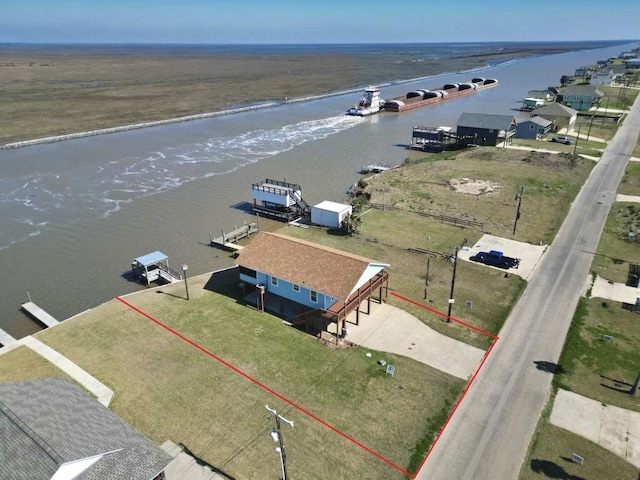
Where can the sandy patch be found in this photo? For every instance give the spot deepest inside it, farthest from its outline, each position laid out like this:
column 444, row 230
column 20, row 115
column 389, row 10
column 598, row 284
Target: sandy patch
column 473, row 187
column 528, row 254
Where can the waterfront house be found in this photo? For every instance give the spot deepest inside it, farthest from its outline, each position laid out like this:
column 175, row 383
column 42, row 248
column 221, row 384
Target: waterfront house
column 321, row 281
column 561, row 115
column 51, row 429
column 602, row 77
column 580, row 97
column 487, row 129
column 534, row 128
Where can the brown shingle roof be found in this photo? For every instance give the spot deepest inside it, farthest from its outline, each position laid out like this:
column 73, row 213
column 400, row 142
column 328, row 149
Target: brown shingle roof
column 316, row 267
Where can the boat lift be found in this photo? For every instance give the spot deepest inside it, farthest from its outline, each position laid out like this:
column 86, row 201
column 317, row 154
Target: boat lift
column 154, row 267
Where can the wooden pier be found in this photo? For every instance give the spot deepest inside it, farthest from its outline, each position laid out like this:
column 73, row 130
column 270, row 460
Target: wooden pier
column 5, row 338
column 39, row 314
column 228, row 240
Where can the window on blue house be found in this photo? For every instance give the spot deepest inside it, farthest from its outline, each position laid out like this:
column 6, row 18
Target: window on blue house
column 296, row 288
column 314, row 296
column 274, row 281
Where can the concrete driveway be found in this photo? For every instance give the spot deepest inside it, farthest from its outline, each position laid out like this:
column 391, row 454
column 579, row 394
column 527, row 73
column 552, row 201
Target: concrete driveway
column 613, row 428
column 528, row 254
column 618, row 292
column 390, row 329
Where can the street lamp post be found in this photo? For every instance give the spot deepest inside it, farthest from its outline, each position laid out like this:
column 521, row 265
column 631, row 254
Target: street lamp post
column 185, row 267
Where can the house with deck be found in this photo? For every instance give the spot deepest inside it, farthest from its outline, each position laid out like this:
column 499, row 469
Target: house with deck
column 311, row 285
column 50, row 429
column 580, row 97
column 487, row 129
column 561, row 115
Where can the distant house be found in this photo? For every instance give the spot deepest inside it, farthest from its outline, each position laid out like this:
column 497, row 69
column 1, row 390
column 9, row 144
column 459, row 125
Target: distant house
column 602, row 77
column 580, row 97
column 51, row 429
column 487, row 129
column 316, row 277
column 582, row 72
column 561, row 115
column 547, row 95
column 533, row 128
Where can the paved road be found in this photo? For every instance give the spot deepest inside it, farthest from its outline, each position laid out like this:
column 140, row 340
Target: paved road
column 490, row 433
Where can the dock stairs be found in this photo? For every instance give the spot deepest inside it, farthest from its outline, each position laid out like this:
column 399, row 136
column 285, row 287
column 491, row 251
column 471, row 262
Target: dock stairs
column 185, row 466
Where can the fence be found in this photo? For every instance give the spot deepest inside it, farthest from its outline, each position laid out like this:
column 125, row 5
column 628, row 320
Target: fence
column 443, row 218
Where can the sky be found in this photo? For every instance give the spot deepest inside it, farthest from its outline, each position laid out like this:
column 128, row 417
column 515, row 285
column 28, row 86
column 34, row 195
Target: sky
column 315, row 21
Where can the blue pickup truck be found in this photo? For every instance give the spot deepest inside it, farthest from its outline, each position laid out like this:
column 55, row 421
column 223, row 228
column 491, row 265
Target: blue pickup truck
column 496, row 259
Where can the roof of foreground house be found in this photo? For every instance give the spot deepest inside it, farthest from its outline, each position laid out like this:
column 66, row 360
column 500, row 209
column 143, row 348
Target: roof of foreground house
column 316, row 267
column 49, row 422
column 486, row 121
column 543, row 122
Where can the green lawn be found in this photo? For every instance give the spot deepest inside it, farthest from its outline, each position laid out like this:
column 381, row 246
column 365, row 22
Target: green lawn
column 551, row 452
column 599, row 369
column 169, row 389
column 616, row 251
column 25, row 364
column 630, row 184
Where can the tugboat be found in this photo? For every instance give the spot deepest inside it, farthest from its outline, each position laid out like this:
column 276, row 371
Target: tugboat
column 369, row 104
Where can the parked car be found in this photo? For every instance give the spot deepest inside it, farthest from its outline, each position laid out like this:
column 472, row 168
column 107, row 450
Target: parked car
column 562, row 139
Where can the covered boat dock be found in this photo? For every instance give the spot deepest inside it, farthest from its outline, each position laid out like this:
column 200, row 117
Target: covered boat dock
column 154, row 267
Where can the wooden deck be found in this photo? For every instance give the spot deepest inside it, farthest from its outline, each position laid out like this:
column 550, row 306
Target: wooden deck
column 39, row 314
column 228, row 240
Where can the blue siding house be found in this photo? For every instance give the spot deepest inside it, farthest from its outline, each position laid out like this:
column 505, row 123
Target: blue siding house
column 580, row 97
column 322, row 280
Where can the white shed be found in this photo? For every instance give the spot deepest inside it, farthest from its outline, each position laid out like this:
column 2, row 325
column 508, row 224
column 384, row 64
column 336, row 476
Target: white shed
column 329, row 214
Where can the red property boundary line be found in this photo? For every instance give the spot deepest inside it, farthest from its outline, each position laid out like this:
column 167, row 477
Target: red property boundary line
column 311, row 415
column 473, row 378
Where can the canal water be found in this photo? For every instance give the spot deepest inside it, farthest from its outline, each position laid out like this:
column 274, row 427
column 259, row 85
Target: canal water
column 74, row 214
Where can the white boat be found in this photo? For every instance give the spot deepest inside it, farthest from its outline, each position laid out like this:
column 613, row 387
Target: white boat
column 369, row 104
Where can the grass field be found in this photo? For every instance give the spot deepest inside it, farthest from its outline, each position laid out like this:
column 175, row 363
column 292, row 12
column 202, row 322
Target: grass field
column 47, row 93
column 616, row 251
column 598, row 369
column 630, row 184
column 169, row 389
column 24, row 364
column 551, row 451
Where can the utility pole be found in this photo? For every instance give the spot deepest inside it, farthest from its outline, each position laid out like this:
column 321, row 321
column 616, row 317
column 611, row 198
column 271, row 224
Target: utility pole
column 590, row 123
column 453, row 278
column 426, row 280
column 277, row 437
column 575, row 145
column 519, row 198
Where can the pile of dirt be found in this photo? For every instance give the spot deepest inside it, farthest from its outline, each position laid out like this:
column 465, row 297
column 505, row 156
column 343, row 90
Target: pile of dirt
column 473, row 187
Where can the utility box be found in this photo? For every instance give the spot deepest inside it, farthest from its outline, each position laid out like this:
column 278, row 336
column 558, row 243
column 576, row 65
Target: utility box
column 330, row 214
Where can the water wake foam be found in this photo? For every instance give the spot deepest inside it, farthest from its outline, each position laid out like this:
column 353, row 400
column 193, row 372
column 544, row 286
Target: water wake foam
column 76, row 193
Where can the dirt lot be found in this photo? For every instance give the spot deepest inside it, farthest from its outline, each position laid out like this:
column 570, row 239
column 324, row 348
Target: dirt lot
column 481, row 185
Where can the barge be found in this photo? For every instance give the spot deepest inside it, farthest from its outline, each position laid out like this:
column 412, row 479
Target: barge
column 423, row 97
